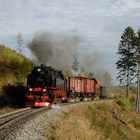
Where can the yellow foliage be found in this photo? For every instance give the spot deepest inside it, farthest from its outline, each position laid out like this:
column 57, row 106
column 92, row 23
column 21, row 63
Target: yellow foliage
column 13, row 64
column 68, row 73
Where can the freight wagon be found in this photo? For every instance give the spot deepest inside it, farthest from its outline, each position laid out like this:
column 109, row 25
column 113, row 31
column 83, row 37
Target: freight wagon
column 82, row 87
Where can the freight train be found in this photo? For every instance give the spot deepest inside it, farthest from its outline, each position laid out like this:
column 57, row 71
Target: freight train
column 47, row 86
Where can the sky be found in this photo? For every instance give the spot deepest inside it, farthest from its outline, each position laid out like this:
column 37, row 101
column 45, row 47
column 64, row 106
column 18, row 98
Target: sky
column 100, row 23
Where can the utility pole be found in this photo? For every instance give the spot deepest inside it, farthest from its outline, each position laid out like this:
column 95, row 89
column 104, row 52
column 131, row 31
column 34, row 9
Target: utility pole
column 19, row 43
column 19, row 50
column 75, row 65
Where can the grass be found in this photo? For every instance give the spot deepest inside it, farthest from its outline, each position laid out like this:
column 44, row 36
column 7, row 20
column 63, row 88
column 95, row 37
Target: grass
column 109, row 125
column 72, row 125
column 95, row 120
column 136, row 122
column 103, row 121
column 124, row 102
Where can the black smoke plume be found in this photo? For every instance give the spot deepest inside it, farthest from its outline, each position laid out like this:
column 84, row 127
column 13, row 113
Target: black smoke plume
column 53, row 49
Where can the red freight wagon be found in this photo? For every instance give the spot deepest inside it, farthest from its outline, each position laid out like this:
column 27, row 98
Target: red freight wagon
column 81, row 85
column 76, row 84
column 90, row 85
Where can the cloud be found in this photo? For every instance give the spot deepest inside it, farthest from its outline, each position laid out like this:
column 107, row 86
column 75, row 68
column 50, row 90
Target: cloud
column 100, row 22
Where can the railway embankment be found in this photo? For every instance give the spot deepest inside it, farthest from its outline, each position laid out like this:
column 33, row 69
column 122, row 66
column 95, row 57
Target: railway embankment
column 98, row 120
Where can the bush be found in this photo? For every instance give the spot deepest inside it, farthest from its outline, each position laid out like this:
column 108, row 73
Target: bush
column 15, row 96
column 3, row 101
column 124, row 102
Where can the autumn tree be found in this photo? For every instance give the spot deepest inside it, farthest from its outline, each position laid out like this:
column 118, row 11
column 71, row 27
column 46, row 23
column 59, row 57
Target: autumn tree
column 126, row 63
column 82, row 73
column 68, row 72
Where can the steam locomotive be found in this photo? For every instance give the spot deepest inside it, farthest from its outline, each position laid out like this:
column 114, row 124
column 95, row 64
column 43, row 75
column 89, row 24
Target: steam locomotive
column 47, row 86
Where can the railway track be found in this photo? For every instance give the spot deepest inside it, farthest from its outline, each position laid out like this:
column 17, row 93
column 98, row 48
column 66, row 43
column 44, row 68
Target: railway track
column 12, row 115
column 12, row 119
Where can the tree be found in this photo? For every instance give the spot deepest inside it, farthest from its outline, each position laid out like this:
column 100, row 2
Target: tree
column 138, row 73
column 107, row 82
column 84, row 73
column 107, row 79
column 126, row 63
column 90, row 74
column 68, row 73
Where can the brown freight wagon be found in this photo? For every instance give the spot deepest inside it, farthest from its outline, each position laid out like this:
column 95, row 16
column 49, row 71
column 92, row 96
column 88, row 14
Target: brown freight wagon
column 82, row 86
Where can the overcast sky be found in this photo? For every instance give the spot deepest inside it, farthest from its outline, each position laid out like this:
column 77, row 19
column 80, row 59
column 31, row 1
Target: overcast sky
column 99, row 22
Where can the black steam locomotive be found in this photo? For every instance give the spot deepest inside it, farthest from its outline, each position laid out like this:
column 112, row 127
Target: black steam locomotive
column 46, row 85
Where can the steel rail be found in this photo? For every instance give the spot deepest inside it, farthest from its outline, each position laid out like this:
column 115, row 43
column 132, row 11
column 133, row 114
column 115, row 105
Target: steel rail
column 13, row 118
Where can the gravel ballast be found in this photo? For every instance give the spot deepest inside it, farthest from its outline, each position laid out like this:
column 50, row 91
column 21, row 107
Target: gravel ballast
column 34, row 129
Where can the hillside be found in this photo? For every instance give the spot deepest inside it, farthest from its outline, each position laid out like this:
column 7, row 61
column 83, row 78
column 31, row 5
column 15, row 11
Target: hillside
column 99, row 121
column 14, row 67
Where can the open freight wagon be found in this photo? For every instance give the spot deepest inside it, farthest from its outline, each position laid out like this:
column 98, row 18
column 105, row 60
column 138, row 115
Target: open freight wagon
column 85, row 88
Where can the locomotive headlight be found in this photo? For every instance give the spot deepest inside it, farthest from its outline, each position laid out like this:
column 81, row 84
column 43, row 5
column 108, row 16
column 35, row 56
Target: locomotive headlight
column 39, row 69
column 30, row 89
column 44, row 90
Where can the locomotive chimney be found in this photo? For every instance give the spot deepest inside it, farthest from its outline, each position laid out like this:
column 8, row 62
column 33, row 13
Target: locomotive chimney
column 43, row 65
